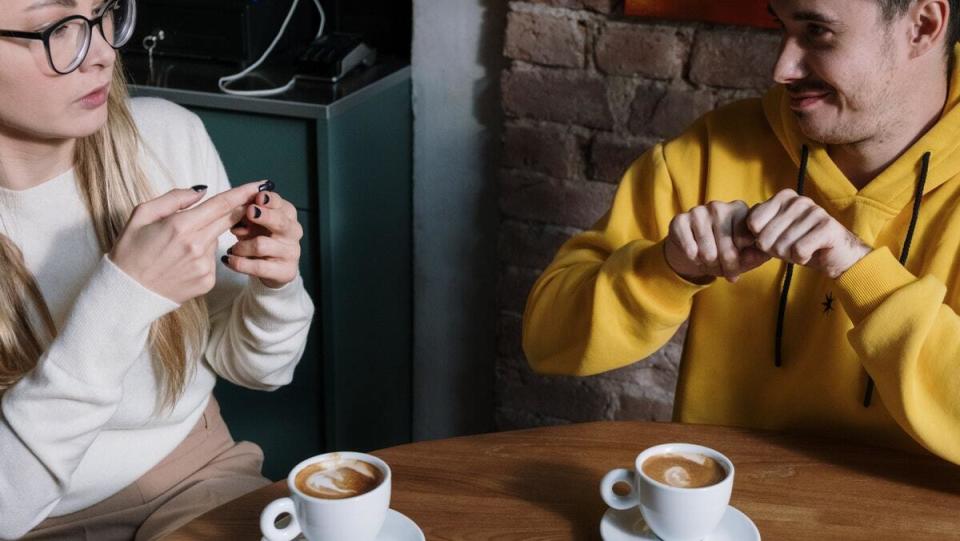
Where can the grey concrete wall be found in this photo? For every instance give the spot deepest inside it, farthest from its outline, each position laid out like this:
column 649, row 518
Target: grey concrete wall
column 457, row 60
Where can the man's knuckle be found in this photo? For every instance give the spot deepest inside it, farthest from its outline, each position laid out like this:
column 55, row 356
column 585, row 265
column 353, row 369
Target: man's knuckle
column 765, row 242
column 796, row 205
column 680, row 222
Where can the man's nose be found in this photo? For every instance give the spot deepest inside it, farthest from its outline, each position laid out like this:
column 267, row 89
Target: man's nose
column 790, row 66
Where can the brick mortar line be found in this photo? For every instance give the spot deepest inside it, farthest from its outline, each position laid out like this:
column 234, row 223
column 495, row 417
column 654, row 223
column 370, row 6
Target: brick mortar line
column 565, row 128
column 556, row 229
column 577, row 14
column 547, row 178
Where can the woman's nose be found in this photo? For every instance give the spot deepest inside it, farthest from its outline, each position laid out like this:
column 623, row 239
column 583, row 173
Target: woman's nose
column 100, row 54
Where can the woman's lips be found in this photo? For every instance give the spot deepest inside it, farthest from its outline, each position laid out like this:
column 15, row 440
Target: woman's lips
column 96, row 98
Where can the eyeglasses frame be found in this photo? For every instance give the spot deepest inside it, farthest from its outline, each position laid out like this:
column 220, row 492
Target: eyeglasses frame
column 91, row 23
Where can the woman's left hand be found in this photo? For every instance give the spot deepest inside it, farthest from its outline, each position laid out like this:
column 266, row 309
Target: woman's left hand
column 269, row 241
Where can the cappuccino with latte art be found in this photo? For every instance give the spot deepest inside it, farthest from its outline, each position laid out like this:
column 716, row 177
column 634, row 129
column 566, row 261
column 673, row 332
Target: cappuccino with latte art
column 338, row 478
column 684, row 470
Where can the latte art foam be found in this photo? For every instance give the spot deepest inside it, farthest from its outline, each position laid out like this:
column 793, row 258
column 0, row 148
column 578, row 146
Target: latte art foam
column 676, row 476
column 684, row 470
column 337, row 479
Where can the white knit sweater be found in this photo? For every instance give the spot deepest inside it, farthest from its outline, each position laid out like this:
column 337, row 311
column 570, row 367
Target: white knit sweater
column 83, row 424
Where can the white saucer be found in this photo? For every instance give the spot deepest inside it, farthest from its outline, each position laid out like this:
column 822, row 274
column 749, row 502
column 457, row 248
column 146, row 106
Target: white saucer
column 396, row 527
column 629, row 526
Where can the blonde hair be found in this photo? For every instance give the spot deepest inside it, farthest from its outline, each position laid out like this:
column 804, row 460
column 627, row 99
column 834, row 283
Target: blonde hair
column 112, row 183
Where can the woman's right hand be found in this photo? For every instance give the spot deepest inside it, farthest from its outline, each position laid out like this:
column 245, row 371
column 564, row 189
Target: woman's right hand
column 170, row 248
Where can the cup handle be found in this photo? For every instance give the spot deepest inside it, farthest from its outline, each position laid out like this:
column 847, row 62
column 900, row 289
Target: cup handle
column 614, row 500
column 268, row 520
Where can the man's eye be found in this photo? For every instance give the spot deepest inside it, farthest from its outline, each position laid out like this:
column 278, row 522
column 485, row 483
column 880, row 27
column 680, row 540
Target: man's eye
column 817, row 31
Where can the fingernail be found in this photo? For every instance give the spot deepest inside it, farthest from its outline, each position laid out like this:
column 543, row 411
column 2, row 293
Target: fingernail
column 266, row 199
column 199, row 187
column 257, row 212
column 229, row 251
column 224, row 259
column 267, row 186
column 238, row 224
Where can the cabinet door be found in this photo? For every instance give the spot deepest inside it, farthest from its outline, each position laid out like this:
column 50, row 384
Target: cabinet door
column 254, row 147
column 288, row 423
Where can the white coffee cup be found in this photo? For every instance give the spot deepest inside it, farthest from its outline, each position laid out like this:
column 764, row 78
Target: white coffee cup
column 358, row 518
column 673, row 513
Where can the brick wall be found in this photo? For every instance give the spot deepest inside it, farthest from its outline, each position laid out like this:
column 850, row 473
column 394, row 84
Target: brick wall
column 586, row 92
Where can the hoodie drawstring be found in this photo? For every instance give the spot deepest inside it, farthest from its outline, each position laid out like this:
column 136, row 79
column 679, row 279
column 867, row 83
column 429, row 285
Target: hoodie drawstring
column 917, row 197
column 788, row 275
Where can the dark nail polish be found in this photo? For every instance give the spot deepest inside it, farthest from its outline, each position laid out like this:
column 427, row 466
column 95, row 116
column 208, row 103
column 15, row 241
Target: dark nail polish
column 238, row 224
column 229, row 251
column 267, row 186
column 224, row 259
column 266, row 199
column 257, row 212
column 199, row 187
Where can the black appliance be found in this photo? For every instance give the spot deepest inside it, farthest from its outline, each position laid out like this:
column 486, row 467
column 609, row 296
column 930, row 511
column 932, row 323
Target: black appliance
column 236, row 31
column 386, row 25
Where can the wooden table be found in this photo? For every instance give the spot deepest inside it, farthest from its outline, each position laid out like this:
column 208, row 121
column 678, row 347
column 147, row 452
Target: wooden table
column 543, row 484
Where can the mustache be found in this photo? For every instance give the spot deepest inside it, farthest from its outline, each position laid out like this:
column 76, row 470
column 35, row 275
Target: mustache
column 809, row 87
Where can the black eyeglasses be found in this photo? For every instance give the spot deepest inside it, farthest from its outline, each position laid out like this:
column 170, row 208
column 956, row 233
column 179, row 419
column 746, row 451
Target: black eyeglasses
column 67, row 41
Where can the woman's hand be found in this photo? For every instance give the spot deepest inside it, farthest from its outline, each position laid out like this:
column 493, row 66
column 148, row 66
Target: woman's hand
column 269, row 240
column 170, row 248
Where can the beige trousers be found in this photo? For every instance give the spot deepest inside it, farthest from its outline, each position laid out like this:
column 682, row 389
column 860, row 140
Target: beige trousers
column 206, row 470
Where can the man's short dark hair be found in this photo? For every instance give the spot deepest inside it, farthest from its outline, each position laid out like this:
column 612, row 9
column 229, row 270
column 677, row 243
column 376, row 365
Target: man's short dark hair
column 894, row 8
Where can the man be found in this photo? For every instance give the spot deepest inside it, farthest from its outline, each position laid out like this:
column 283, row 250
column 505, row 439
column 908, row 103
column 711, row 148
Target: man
column 850, row 283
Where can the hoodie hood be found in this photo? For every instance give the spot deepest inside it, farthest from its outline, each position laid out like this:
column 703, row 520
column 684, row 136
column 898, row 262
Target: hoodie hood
column 893, row 189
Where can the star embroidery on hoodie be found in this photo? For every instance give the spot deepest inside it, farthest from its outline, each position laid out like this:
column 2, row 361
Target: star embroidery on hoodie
column 827, row 302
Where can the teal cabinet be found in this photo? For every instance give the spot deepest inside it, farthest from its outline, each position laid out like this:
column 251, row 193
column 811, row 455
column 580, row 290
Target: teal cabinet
column 346, row 166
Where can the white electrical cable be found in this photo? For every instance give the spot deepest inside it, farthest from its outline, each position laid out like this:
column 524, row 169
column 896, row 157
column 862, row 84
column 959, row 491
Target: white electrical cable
column 224, row 81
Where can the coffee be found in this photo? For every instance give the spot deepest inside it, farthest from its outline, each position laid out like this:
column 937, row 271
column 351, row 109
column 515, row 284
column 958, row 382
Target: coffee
column 338, row 478
column 684, row 470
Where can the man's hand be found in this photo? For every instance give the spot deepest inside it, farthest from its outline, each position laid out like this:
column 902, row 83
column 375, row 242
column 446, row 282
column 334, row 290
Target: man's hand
column 795, row 229
column 712, row 240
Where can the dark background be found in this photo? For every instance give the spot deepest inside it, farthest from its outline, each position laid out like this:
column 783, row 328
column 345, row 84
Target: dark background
column 387, row 24
column 239, row 31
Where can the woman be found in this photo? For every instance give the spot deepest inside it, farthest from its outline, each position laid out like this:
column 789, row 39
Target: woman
column 116, row 313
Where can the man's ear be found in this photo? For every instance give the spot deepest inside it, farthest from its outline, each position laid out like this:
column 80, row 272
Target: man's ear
column 928, row 22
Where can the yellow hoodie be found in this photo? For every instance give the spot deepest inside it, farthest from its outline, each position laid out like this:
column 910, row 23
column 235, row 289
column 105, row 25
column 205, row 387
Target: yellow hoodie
column 609, row 298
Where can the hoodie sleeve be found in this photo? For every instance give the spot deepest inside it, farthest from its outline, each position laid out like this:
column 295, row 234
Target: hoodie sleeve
column 908, row 340
column 609, row 298
column 257, row 334
column 51, row 417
